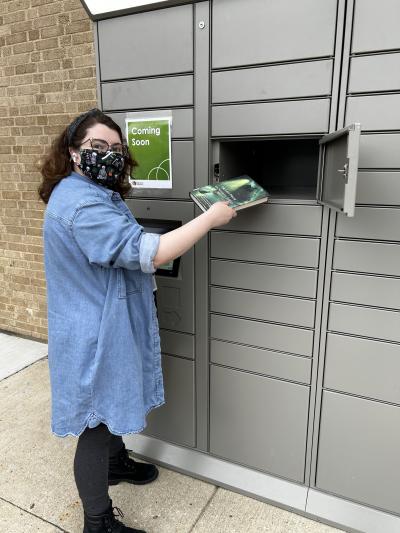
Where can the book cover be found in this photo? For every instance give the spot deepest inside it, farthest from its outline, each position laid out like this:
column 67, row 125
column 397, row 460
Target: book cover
column 240, row 192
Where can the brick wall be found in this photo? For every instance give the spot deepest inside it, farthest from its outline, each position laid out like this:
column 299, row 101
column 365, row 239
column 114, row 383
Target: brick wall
column 47, row 76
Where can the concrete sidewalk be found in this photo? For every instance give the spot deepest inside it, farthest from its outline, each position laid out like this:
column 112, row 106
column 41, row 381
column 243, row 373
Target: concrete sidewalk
column 37, row 489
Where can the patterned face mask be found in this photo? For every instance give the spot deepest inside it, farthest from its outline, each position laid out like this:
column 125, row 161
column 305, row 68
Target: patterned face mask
column 105, row 168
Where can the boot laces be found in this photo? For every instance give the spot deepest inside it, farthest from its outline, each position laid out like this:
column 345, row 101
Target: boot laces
column 111, row 520
column 117, row 512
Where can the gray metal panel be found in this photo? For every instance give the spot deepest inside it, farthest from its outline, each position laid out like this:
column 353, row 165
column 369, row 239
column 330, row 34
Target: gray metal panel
column 155, row 92
column 364, row 75
column 378, row 112
column 366, row 290
column 182, row 121
column 249, row 482
column 276, row 337
column 281, row 309
column 276, row 218
column 201, row 154
column 265, row 248
column 364, row 321
column 338, row 169
column 375, row 258
column 259, row 422
column 256, row 31
column 312, row 78
column 159, row 210
column 358, row 455
column 378, row 188
column 204, row 466
column 175, row 421
column 175, row 296
column 363, row 367
column 318, row 353
column 282, row 280
column 147, row 44
column 371, row 15
column 99, row 104
column 348, row 515
column 262, row 361
column 371, row 223
column 182, row 173
column 342, row 54
column 270, row 118
column 173, row 343
column 380, row 151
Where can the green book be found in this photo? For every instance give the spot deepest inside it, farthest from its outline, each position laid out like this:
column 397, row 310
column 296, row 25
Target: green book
column 240, row 192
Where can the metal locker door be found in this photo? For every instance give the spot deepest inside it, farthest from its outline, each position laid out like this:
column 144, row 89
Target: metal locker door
column 175, row 421
column 146, row 44
column 249, row 32
column 338, row 168
column 358, row 453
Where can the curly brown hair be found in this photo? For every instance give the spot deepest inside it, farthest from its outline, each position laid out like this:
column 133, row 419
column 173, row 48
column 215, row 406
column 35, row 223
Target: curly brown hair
column 57, row 164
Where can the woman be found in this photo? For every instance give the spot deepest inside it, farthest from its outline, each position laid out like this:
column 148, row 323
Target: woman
column 104, row 351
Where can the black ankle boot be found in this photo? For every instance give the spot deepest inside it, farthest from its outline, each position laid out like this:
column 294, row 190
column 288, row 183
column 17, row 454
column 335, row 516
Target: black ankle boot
column 123, row 468
column 107, row 522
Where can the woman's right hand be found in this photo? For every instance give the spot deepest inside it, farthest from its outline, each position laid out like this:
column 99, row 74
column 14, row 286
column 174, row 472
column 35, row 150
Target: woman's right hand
column 220, row 214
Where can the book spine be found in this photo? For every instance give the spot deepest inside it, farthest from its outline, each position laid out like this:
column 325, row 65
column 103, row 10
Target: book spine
column 197, row 202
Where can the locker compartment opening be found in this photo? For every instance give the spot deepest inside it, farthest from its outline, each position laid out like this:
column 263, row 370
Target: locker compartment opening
column 286, row 168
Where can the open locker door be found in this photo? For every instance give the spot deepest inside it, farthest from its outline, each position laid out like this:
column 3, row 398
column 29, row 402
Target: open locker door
column 338, row 168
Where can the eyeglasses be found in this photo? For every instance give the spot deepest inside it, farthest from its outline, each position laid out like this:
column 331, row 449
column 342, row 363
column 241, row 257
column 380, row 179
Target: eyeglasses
column 102, row 146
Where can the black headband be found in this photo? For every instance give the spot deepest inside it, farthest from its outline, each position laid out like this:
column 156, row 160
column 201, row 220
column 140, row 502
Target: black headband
column 78, row 121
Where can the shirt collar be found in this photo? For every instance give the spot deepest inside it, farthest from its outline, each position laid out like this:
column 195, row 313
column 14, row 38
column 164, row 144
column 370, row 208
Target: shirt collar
column 108, row 192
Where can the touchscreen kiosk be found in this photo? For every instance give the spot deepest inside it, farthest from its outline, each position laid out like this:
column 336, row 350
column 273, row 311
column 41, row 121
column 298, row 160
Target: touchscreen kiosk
column 170, row 269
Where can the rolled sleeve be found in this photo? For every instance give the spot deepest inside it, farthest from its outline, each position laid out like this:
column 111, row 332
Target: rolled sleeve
column 109, row 238
column 147, row 250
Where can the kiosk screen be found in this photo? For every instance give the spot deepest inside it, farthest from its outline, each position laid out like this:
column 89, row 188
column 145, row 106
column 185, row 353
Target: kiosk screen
column 170, row 269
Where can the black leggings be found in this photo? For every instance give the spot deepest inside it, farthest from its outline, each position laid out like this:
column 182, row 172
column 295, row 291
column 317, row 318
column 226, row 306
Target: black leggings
column 95, row 447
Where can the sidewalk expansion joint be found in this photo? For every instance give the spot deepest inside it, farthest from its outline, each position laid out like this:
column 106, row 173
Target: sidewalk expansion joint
column 33, row 514
column 202, row 512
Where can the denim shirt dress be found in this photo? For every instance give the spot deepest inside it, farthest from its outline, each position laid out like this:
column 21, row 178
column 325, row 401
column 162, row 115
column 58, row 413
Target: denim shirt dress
column 103, row 338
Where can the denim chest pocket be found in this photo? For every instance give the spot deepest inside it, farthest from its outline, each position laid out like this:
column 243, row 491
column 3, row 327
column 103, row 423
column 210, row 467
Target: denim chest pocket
column 129, row 282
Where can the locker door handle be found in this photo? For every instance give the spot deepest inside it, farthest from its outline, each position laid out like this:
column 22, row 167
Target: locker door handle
column 344, row 172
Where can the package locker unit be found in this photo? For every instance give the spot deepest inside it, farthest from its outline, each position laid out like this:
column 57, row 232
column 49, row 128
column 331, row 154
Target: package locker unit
column 280, row 333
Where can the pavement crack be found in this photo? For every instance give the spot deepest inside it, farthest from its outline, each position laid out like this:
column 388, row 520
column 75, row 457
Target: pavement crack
column 202, row 512
column 33, row 514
